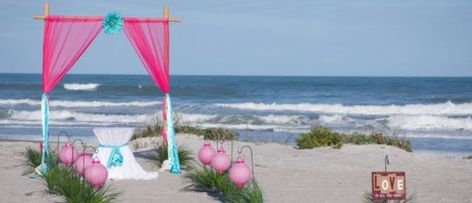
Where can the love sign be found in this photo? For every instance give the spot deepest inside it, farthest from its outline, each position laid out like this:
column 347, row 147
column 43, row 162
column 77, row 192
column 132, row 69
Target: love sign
column 388, row 185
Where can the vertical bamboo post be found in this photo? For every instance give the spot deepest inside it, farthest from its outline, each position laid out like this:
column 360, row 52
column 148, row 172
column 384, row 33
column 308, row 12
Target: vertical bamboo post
column 46, row 9
column 166, row 12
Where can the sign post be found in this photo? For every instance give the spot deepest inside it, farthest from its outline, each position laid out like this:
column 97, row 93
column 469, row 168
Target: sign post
column 388, row 185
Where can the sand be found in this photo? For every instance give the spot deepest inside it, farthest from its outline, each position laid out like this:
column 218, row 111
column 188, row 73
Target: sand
column 285, row 174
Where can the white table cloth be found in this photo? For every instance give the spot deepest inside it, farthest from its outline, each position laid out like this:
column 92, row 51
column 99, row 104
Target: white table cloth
column 114, row 146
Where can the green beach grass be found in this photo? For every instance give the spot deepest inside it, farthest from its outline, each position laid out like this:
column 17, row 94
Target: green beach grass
column 65, row 182
column 220, row 186
column 325, row 137
column 181, row 126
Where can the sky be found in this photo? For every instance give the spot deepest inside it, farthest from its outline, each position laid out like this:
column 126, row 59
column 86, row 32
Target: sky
column 264, row 37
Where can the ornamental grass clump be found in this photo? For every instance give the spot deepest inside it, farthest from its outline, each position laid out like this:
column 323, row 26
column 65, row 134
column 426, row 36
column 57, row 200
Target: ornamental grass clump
column 65, row 182
column 185, row 156
column 221, row 187
column 32, row 159
column 368, row 198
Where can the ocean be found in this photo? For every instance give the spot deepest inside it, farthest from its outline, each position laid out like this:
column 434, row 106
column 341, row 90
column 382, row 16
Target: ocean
column 433, row 112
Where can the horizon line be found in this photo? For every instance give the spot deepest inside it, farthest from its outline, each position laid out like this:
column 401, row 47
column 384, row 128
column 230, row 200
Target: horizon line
column 257, row 75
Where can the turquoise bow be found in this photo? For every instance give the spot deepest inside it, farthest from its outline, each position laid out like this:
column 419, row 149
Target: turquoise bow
column 116, row 158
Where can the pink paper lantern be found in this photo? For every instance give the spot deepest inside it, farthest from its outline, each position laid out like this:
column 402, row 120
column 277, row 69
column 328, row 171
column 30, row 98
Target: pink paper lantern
column 221, row 161
column 96, row 174
column 68, row 154
column 240, row 174
column 206, row 154
column 82, row 163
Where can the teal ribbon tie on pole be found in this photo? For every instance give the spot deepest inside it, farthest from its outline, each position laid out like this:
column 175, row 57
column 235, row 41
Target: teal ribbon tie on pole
column 171, row 144
column 116, row 158
column 45, row 126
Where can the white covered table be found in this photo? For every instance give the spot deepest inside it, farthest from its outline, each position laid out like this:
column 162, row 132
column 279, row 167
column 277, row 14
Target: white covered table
column 115, row 154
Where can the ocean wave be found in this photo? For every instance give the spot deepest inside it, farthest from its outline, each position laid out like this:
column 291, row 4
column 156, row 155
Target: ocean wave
column 251, row 127
column 330, row 119
column 55, row 123
column 5, row 114
column 64, row 117
column 95, row 104
column 77, row 104
column 20, row 101
column 247, row 119
column 428, row 122
column 284, row 119
column 83, row 87
column 447, row 108
column 195, row 118
column 435, row 136
column 82, row 117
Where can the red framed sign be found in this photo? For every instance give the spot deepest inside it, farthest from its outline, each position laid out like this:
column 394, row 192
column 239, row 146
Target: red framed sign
column 389, row 185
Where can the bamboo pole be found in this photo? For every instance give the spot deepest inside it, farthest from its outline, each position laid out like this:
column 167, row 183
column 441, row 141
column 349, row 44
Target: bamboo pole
column 166, row 16
column 46, row 9
column 166, row 12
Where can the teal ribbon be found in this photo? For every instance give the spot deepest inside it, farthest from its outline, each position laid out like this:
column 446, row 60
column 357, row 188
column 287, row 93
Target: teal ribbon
column 45, row 126
column 171, row 144
column 116, row 158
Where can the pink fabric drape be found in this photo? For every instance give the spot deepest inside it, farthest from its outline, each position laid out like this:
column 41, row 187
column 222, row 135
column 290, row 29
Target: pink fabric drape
column 65, row 40
column 150, row 39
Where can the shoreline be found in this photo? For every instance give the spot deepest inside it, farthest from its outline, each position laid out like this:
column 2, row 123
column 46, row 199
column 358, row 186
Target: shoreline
column 421, row 152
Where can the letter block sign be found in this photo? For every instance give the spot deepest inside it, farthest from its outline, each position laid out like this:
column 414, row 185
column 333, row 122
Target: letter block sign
column 388, row 185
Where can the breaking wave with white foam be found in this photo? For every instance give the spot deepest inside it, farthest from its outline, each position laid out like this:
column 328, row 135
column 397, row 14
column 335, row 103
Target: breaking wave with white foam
column 447, row 108
column 77, row 104
column 83, row 117
column 428, row 122
column 20, row 102
column 329, row 119
column 82, row 87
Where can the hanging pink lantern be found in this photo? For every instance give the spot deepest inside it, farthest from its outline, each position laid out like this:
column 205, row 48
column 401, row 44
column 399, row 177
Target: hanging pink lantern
column 221, row 161
column 96, row 174
column 82, row 163
column 68, row 154
column 240, row 174
column 206, row 154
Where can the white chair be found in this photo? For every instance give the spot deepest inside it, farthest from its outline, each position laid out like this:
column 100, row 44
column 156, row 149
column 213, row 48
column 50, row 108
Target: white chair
column 115, row 154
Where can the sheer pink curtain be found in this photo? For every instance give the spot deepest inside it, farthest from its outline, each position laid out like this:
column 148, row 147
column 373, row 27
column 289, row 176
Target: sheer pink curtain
column 150, row 40
column 65, row 40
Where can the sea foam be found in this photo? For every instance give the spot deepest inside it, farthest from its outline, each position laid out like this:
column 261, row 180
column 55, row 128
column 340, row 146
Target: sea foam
column 78, row 104
column 330, row 119
column 83, row 87
column 428, row 122
column 447, row 108
column 83, row 117
column 19, row 101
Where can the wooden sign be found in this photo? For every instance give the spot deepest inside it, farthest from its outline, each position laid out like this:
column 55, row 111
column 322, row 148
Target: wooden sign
column 388, row 185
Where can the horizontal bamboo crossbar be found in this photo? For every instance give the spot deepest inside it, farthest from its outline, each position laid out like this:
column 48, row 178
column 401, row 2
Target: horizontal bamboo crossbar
column 165, row 18
column 174, row 20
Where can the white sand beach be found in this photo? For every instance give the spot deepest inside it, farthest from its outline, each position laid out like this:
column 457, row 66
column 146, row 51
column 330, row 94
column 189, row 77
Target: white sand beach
column 284, row 174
